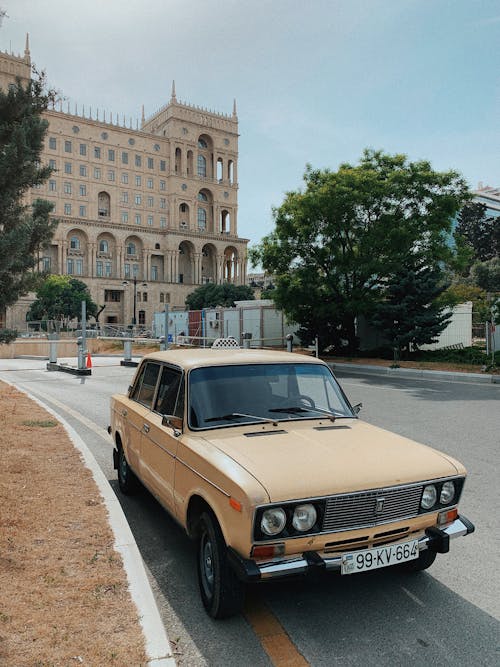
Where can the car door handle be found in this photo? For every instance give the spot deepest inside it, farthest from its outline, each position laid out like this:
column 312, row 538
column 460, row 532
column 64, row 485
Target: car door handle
column 124, row 413
column 146, row 428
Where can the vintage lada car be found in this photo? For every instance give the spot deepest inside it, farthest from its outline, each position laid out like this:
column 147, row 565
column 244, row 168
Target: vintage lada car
column 263, row 461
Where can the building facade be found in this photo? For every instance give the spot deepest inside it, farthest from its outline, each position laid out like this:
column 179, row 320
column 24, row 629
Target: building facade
column 145, row 214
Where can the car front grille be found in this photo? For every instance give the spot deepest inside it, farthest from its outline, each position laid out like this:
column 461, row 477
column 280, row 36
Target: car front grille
column 371, row 508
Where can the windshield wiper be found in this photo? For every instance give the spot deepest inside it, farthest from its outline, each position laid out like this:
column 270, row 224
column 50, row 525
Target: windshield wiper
column 297, row 409
column 236, row 415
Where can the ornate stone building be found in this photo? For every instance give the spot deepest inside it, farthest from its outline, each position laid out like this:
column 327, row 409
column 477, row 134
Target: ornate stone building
column 145, row 214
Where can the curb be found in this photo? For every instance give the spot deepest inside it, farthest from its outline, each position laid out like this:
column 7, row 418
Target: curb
column 157, row 644
column 416, row 373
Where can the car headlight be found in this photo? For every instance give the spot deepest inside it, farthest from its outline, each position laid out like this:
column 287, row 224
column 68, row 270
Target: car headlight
column 304, row 517
column 273, row 521
column 447, row 493
column 429, row 497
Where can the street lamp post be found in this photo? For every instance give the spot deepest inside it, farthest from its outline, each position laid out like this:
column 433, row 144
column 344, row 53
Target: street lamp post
column 134, row 282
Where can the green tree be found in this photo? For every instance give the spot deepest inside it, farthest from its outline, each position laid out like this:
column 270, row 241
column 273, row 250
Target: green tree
column 487, row 275
column 24, row 229
column 460, row 292
column 60, row 298
column 211, row 295
column 480, row 232
column 336, row 243
column 410, row 313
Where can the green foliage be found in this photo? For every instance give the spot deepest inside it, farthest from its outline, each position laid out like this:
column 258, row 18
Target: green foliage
column 467, row 355
column 461, row 292
column 7, row 336
column 336, row 243
column 486, row 275
column 60, row 298
column 481, row 233
column 23, row 229
column 211, row 295
column 409, row 314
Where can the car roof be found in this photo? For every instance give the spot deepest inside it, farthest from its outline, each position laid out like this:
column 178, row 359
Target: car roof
column 196, row 357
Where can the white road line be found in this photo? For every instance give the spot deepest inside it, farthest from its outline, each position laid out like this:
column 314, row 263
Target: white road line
column 412, row 596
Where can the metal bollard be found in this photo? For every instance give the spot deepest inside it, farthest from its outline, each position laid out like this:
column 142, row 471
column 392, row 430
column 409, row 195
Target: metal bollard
column 53, row 348
column 163, row 343
column 289, row 342
column 247, row 337
column 127, row 350
column 81, row 353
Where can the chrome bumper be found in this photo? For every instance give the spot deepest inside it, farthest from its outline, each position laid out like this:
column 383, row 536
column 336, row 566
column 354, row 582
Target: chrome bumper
column 250, row 570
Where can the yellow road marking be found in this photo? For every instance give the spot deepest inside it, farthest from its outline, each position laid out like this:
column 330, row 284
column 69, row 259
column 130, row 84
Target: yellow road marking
column 274, row 639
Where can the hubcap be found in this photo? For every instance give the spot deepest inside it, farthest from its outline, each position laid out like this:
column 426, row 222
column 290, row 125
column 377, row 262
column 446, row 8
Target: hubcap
column 207, row 566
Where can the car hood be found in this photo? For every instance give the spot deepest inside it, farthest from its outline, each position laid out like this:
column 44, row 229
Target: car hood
column 308, row 459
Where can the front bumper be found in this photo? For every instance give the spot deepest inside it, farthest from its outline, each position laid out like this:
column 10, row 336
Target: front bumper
column 250, row 570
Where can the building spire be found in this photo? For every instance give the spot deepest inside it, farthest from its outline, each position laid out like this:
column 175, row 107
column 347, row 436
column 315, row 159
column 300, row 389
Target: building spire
column 173, row 98
column 234, row 108
column 27, row 54
column 143, row 118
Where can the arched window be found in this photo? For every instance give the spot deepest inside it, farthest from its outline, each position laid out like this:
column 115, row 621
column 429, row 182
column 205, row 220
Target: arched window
column 177, row 160
column 202, row 196
column 74, row 243
column 202, row 166
column 202, row 143
column 103, row 246
column 202, row 218
column 103, row 204
column 131, row 249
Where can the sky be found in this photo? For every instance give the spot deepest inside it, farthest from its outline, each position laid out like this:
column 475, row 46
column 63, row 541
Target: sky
column 315, row 81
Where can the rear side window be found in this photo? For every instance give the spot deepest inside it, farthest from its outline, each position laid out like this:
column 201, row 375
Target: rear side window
column 145, row 385
column 168, row 391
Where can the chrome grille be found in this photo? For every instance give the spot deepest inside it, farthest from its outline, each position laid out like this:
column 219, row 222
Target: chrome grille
column 370, row 508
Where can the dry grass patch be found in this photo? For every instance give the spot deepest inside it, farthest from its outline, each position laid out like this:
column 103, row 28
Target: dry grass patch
column 64, row 593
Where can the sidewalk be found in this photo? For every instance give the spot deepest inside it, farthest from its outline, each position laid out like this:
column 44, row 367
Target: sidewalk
column 415, row 373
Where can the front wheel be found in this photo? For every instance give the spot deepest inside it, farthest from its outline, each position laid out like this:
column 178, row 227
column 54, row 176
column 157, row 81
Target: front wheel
column 127, row 480
column 222, row 593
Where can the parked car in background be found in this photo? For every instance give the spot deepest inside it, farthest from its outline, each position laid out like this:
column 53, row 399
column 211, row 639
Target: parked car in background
column 263, row 461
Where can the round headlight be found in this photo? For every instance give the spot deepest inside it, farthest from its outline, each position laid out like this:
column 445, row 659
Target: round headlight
column 304, row 517
column 429, row 497
column 447, row 493
column 273, row 521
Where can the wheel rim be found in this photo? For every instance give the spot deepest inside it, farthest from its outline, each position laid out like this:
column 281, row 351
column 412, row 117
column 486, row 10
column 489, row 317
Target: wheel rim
column 207, row 565
column 123, row 466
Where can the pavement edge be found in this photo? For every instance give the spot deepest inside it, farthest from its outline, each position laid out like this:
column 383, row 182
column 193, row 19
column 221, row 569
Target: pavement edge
column 157, row 643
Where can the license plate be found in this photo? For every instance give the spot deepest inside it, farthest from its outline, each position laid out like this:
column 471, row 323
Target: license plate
column 371, row 559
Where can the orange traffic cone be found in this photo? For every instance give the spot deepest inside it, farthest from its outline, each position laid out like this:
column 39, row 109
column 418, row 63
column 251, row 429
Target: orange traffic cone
column 89, row 360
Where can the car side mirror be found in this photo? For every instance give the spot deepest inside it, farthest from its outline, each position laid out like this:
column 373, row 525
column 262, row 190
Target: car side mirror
column 357, row 408
column 173, row 422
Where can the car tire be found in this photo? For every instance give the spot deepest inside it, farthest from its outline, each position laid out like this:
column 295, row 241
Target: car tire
column 425, row 560
column 127, row 481
column 222, row 593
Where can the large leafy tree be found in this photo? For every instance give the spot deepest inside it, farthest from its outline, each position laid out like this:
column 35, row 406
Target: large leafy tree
column 211, row 295
column 60, row 298
column 23, row 228
column 480, row 232
column 410, row 313
column 338, row 241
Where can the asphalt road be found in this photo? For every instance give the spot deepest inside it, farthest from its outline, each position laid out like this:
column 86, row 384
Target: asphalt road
column 448, row 615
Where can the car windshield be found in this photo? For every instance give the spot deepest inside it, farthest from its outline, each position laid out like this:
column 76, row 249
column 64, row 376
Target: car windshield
column 257, row 393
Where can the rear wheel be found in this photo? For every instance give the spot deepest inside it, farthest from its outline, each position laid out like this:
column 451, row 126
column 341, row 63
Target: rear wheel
column 425, row 560
column 127, row 480
column 221, row 591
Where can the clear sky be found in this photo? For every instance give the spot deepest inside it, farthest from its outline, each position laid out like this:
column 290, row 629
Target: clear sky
column 315, row 80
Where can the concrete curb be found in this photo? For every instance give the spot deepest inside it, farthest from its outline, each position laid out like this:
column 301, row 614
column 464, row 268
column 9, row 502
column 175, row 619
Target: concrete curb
column 157, row 644
column 415, row 373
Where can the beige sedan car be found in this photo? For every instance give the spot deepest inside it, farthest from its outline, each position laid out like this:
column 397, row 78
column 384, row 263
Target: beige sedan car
column 262, row 460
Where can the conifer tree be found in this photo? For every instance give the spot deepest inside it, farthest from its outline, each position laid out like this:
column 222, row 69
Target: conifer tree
column 411, row 314
column 24, row 228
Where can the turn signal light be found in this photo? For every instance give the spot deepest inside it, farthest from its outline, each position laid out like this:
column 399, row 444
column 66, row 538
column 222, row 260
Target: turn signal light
column 268, row 550
column 235, row 504
column 447, row 517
